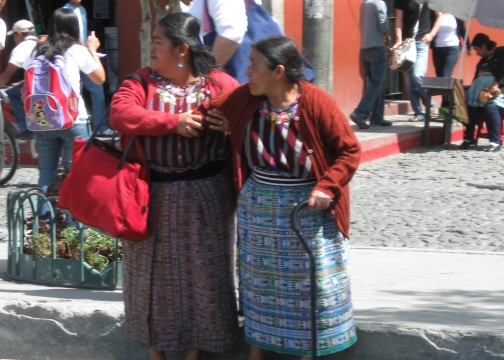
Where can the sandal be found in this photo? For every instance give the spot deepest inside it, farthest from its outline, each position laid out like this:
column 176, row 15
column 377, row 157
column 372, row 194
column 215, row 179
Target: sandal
column 416, row 119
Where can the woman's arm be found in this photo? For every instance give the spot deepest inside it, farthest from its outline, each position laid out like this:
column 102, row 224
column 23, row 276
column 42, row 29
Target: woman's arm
column 129, row 116
column 98, row 75
column 336, row 134
column 230, row 21
column 398, row 29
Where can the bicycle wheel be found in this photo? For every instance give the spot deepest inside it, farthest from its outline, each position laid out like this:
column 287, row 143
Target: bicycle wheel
column 11, row 157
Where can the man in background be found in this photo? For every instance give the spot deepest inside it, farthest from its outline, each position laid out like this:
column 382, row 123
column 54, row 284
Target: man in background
column 375, row 37
column 98, row 106
column 23, row 33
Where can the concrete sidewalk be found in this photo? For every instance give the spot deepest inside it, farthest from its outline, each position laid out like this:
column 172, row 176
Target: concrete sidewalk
column 409, row 304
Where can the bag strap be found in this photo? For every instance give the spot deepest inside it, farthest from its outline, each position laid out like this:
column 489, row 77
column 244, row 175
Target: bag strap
column 415, row 29
column 105, row 116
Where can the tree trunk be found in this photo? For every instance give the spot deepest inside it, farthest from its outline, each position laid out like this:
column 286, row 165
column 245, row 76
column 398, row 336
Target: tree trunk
column 146, row 28
column 145, row 33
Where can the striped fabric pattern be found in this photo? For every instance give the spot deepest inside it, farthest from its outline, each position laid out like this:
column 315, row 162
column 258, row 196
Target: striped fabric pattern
column 274, row 273
column 176, row 153
column 271, row 143
column 179, row 290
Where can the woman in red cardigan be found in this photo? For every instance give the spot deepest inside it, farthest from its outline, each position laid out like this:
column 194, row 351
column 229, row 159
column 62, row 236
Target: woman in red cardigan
column 178, row 284
column 291, row 142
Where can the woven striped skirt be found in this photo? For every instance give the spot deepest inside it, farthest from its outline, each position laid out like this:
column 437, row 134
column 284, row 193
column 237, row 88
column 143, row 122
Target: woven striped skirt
column 275, row 278
column 179, row 287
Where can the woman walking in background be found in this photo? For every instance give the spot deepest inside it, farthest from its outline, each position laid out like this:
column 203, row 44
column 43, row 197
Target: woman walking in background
column 296, row 144
column 446, row 46
column 179, row 288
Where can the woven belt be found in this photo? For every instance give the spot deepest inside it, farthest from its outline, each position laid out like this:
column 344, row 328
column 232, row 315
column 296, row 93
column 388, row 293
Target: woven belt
column 202, row 172
column 270, row 179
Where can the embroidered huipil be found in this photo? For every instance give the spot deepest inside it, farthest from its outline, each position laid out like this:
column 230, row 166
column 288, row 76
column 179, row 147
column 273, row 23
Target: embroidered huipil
column 271, row 144
column 176, row 153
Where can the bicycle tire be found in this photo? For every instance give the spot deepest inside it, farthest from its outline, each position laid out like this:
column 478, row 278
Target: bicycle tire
column 11, row 157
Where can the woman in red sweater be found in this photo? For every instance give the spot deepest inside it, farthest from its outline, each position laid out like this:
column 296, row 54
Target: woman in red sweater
column 178, row 284
column 291, row 142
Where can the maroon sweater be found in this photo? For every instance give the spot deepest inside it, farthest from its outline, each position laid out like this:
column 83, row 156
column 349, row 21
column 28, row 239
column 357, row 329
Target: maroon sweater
column 327, row 136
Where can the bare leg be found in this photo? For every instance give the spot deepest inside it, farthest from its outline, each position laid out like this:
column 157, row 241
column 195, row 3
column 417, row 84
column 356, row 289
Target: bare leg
column 256, row 353
column 192, row 355
column 156, row 355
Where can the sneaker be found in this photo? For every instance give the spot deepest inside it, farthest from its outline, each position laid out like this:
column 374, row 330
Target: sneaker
column 360, row 123
column 384, row 123
column 466, row 143
column 108, row 132
column 25, row 135
column 416, row 118
column 493, row 147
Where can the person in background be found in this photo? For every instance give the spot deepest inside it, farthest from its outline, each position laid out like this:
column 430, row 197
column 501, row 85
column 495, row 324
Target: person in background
column 408, row 13
column 98, row 107
column 179, row 290
column 226, row 20
column 63, row 39
column 3, row 27
column 375, row 37
column 291, row 142
column 446, row 46
column 23, row 33
column 489, row 77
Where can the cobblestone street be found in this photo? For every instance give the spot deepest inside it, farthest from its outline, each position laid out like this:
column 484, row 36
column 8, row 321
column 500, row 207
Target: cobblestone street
column 426, row 198
column 430, row 198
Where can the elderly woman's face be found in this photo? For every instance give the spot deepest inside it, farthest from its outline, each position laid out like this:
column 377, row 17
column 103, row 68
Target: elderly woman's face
column 163, row 55
column 261, row 78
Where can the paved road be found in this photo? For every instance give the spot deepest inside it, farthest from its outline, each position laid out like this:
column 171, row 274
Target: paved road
column 430, row 198
column 426, row 198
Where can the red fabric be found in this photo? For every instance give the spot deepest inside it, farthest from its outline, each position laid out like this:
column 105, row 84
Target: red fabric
column 103, row 197
column 129, row 112
column 326, row 133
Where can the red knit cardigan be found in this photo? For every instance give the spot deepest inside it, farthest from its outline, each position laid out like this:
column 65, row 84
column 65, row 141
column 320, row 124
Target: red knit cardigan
column 327, row 137
column 129, row 113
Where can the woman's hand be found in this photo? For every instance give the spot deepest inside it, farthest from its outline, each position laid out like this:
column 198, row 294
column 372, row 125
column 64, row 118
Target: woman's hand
column 190, row 125
column 319, row 200
column 93, row 43
column 218, row 119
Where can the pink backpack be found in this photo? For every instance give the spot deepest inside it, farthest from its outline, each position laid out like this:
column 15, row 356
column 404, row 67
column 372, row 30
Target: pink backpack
column 50, row 103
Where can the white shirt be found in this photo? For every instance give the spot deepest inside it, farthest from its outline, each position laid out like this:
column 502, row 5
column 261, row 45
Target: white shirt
column 3, row 34
column 78, row 59
column 23, row 51
column 447, row 34
column 229, row 17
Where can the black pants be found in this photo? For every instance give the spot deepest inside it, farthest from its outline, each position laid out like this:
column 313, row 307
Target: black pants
column 492, row 113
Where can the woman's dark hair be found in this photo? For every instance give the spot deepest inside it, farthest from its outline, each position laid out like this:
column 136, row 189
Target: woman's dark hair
column 63, row 32
column 480, row 39
column 182, row 28
column 280, row 50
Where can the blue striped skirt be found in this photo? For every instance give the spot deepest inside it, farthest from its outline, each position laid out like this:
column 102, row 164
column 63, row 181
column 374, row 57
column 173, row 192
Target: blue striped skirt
column 275, row 276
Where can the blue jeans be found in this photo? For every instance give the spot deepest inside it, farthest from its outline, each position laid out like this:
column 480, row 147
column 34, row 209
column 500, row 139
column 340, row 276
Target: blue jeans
column 445, row 58
column 98, row 106
column 493, row 121
column 414, row 78
column 16, row 102
column 49, row 146
column 373, row 100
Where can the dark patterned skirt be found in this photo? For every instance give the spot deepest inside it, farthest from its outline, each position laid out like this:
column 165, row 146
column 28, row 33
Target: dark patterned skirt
column 275, row 273
column 179, row 290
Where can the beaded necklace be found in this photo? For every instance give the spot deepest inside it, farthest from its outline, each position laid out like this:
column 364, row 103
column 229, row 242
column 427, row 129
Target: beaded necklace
column 176, row 95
